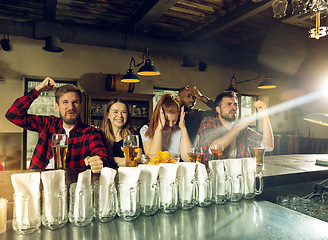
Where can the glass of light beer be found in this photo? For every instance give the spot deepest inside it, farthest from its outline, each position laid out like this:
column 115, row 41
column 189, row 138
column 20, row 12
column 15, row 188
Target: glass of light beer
column 59, row 150
column 192, row 154
column 216, row 149
column 130, row 148
column 258, row 152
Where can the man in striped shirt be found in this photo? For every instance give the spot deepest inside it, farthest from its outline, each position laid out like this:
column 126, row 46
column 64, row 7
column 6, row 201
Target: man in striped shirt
column 85, row 143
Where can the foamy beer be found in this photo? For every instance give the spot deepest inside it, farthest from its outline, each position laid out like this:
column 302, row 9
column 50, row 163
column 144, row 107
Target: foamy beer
column 130, row 148
column 258, row 152
column 59, row 150
column 216, row 149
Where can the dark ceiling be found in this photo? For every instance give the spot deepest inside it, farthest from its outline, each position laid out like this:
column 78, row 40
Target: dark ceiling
column 225, row 25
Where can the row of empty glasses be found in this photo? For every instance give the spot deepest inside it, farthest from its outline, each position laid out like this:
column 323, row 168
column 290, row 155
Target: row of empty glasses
column 140, row 190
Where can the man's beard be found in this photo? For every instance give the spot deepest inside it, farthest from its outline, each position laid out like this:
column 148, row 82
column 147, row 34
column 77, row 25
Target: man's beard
column 69, row 121
column 228, row 118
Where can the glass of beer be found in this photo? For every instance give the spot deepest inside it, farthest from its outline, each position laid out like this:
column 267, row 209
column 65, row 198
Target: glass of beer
column 216, row 149
column 130, row 148
column 195, row 154
column 59, row 150
column 192, row 154
column 258, row 152
column 199, row 154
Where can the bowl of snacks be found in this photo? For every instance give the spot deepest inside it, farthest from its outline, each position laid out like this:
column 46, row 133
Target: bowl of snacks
column 163, row 157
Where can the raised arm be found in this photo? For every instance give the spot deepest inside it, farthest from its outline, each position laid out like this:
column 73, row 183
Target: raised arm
column 199, row 96
column 267, row 130
column 185, row 142
column 17, row 113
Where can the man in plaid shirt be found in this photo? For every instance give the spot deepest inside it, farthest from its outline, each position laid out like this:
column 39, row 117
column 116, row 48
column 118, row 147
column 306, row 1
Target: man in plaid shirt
column 85, row 145
column 236, row 137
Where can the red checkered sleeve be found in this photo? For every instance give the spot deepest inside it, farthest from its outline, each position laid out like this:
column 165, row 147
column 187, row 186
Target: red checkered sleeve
column 208, row 132
column 17, row 113
column 84, row 143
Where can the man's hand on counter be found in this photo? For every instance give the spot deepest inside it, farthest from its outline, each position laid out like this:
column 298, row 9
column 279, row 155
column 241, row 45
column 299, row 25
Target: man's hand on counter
column 95, row 163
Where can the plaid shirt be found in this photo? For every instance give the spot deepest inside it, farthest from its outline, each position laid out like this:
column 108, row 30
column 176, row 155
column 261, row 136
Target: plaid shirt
column 211, row 129
column 83, row 140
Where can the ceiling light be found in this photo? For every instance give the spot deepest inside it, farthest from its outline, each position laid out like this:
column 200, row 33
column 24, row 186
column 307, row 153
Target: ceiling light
column 130, row 77
column 149, row 69
column 5, row 43
column 53, row 44
column 230, row 87
column 267, row 84
column 318, row 118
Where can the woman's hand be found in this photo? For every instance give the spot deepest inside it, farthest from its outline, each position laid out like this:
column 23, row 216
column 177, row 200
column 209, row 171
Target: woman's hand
column 182, row 118
column 161, row 122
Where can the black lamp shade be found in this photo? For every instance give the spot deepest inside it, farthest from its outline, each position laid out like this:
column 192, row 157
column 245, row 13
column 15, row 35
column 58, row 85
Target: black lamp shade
column 52, row 44
column 130, row 77
column 232, row 89
column 5, row 44
column 149, row 69
column 267, row 84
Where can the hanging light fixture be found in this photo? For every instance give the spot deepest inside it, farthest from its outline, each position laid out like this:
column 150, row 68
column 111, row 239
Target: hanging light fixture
column 230, row 87
column 5, row 43
column 267, row 83
column 149, row 69
column 130, row 77
column 318, row 118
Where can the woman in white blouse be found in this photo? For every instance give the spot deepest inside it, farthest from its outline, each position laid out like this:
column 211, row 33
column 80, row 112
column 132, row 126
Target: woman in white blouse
column 166, row 130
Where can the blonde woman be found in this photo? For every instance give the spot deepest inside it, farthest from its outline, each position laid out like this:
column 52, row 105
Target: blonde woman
column 117, row 122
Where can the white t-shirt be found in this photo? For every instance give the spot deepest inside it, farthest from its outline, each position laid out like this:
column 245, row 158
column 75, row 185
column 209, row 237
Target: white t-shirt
column 170, row 139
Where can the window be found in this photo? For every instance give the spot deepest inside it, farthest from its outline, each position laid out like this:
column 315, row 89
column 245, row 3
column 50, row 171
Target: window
column 159, row 92
column 247, row 107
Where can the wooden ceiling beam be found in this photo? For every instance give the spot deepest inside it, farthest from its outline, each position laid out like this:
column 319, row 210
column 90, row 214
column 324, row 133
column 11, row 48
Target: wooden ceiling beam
column 148, row 13
column 234, row 17
column 50, row 7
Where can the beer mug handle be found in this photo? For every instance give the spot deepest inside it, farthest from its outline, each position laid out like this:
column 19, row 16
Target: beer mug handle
column 208, row 182
column 228, row 186
column 114, row 198
column 133, row 206
column 156, row 198
column 174, row 194
column 260, row 189
column 195, row 189
column 24, row 210
column 60, row 203
column 82, row 205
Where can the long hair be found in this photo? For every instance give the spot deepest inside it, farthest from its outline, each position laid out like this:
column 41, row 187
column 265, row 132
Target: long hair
column 107, row 127
column 169, row 105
